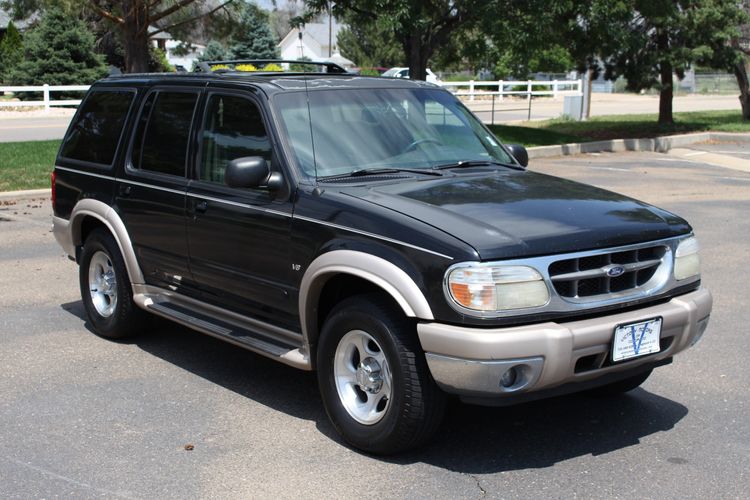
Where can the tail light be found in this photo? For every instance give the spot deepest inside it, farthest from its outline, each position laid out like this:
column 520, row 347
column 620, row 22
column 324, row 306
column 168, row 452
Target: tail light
column 53, row 181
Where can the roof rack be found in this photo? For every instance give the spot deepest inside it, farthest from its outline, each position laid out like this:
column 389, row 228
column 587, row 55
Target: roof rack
column 207, row 66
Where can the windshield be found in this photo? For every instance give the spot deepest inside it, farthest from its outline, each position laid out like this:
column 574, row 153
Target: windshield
column 391, row 72
column 344, row 131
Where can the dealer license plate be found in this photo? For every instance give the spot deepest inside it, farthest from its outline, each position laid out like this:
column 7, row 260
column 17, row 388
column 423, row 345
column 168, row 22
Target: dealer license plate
column 636, row 339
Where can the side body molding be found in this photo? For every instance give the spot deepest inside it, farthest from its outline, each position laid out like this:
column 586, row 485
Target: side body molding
column 380, row 272
column 110, row 218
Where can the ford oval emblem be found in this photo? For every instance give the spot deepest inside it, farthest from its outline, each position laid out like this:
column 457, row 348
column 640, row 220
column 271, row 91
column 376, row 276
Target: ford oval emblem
column 615, row 271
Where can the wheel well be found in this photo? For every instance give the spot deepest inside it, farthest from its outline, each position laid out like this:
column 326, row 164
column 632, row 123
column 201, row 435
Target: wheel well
column 340, row 287
column 88, row 224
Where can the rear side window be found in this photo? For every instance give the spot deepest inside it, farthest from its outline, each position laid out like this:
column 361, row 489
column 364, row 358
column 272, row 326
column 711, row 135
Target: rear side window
column 161, row 141
column 96, row 132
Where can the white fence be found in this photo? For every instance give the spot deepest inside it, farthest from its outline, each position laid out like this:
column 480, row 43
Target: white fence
column 46, row 90
column 497, row 88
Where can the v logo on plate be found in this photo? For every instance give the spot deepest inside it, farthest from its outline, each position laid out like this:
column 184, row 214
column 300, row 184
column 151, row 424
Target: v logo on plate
column 637, row 343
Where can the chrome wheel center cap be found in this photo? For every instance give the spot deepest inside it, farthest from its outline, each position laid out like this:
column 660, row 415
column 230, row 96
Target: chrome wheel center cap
column 368, row 376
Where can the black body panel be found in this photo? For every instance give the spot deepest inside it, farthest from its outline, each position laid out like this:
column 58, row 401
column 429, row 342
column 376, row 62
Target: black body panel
column 248, row 251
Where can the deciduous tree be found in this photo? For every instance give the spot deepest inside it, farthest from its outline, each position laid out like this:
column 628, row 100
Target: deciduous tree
column 421, row 27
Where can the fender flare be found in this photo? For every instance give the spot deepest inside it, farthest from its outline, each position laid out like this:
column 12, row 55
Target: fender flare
column 382, row 273
column 106, row 215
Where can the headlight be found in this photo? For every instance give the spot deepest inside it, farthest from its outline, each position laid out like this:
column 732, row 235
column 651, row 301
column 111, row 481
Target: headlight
column 687, row 263
column 484, row 288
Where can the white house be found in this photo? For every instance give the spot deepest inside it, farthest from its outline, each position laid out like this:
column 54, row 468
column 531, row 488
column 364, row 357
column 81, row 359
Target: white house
column 175, row 56
column 312, row 42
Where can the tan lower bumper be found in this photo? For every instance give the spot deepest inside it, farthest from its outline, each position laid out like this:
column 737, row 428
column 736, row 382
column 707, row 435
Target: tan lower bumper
column 470, row 361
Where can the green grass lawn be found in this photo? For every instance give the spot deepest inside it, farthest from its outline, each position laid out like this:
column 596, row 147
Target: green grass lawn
column 600, row 128
column 26, row 165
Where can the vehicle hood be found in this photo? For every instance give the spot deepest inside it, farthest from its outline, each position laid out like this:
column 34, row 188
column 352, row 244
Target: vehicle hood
column 509, row 214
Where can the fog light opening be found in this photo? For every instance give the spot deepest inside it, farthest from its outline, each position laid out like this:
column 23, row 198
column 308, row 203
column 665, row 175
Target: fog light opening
column 510, row 377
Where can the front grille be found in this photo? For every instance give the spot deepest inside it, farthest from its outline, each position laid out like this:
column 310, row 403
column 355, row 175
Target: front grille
column 591, row 276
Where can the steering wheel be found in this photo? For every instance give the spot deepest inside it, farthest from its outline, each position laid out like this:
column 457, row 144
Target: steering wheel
column 414, row 144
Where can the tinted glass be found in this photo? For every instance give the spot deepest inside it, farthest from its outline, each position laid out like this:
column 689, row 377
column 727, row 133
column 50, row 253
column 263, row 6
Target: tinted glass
column 161, row 142
column 233, row 129
column 335, row 132
column 98, row 126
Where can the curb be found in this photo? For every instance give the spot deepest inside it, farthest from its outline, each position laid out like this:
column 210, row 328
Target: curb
column 25, row 195
column 657, row 144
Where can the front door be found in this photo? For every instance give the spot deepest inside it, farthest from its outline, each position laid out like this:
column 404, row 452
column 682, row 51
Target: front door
column 239, row 238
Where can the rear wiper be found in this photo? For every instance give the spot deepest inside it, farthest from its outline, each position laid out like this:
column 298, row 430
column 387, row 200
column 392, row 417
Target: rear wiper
column 376, row 171
column 474, row 163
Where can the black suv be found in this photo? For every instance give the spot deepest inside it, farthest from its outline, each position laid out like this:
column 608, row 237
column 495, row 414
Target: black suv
column 371, row 229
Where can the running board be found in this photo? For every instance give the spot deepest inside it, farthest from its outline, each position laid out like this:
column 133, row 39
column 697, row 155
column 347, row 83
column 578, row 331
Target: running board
column 268, row 340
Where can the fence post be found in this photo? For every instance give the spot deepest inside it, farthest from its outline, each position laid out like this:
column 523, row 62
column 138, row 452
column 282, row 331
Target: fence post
column 493, row 110
column 46, row 97
column 554, row 89
column 471, row 90
column 528, row 90
column 501, row 89
column 579, row 83
column 528, row 118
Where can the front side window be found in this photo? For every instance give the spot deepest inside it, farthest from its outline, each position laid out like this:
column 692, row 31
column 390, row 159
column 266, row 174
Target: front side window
column 161, row 142
column 233, row 128
column 96, row 132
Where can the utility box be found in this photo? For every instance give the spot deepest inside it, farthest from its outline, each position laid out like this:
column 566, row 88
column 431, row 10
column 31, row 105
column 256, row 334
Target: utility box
column 573, row 107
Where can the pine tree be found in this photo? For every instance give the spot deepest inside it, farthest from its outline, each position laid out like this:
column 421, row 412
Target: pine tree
column 59, row 51
column 215, row 51
column 254, row 40
column 11, row 51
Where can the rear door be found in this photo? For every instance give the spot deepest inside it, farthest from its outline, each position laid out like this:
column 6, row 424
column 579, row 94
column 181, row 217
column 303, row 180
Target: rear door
column 239, row 238
column 151, row 194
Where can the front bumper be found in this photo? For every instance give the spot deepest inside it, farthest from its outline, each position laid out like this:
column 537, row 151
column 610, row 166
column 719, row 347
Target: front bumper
column 471, row 361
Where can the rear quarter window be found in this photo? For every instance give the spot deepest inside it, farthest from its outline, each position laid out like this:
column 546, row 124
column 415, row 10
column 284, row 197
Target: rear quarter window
column 95, row 134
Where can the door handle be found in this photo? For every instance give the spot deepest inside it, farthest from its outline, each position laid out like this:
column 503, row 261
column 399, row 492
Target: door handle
column 201, row 206
column 124, row 190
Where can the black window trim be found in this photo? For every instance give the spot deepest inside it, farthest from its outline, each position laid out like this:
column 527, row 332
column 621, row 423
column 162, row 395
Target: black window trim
column 125, row 125
column 248, row 94
column 130, row 169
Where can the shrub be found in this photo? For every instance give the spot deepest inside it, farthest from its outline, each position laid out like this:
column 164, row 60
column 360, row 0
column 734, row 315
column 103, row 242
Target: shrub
column 245, row 67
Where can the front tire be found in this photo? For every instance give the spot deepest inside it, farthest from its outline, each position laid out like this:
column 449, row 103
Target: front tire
column 373, row 378
column 105, row 288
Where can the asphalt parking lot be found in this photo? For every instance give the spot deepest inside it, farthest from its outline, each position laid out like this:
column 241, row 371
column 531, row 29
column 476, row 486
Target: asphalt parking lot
column 81, row 416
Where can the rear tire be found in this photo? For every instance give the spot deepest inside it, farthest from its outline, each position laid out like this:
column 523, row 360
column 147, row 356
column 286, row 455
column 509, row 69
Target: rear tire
column 373, row 378
column 619, row 387
column 105, row 288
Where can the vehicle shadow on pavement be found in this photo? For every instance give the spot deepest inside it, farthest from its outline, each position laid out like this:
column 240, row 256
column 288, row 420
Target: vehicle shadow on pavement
column 472, row 439
column 272, row 384
column 479, row 440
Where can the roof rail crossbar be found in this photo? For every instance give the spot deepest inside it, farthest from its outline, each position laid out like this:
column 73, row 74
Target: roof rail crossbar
column 206, row 66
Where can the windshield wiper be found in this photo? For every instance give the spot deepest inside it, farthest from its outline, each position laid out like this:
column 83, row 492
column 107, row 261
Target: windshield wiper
column 474, row 163
column 387, row 170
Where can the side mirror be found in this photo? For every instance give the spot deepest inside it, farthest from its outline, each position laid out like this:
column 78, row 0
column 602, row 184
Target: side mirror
column 251, row 172
column 520, row 154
